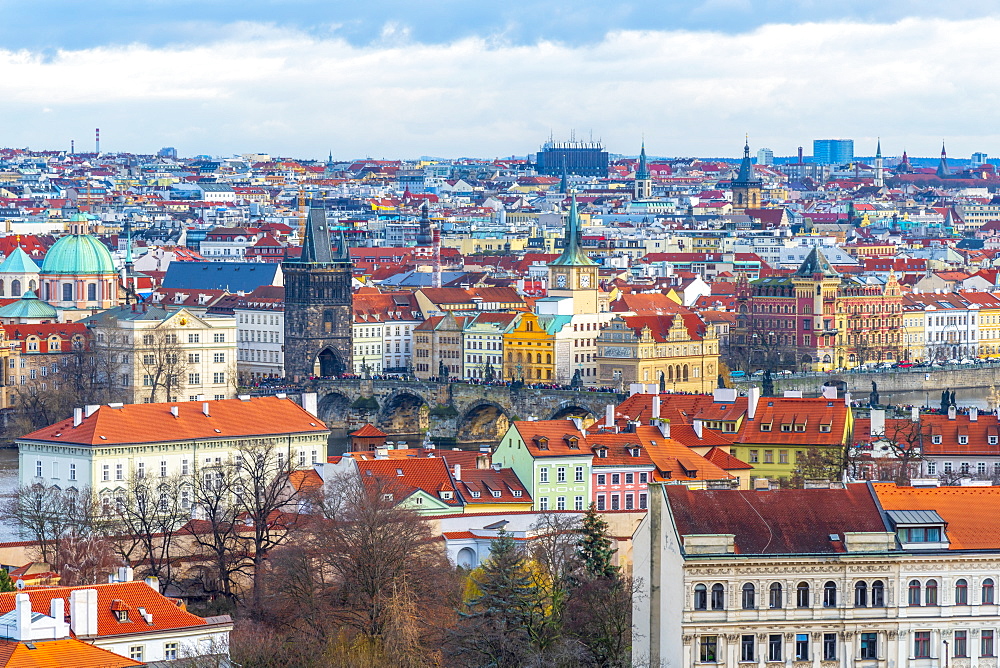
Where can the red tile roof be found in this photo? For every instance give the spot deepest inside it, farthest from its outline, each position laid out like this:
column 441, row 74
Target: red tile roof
column 151, row 423
column 368, row 431
column 404, row 477
column 971, row 512
column 487, row 481
column 66, row 653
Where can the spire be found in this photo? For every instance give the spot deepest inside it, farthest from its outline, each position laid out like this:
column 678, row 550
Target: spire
column 878, row 148
column 879, row 171
column 942, row 170
column 316, row 244
column 642, row 173
column 572, row 254
column 746, row 175
column 128, row 244
column 343, row 251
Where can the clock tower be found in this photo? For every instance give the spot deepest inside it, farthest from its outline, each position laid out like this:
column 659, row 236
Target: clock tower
column 573, row 274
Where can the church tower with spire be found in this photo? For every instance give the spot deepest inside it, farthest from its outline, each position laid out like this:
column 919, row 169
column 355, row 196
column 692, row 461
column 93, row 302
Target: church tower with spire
column 943, row 171
column 573, row 274
column 879, row 173
column 318, row 301
column 643, row 181
column 746, row 187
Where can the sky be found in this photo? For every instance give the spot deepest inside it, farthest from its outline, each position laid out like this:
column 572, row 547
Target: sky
column 392, row 79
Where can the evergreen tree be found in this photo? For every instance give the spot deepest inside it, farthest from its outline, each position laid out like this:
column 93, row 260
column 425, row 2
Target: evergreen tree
column 6, row 584
column 594, row 546
column 494, row 629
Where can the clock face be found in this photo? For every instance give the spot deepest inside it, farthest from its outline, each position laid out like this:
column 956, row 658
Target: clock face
column 561, row 280
column 584, row 280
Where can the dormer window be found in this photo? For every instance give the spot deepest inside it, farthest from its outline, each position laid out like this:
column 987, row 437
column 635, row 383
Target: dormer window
column 446, row 495
column 919, row 529
column 992, row 440
column 765, row 426
column 573, row 442
column 542, row 442
column 936, row 439
column 602, row 453
column 517, row 493
column 786, row 427
column 121, row 615
column 475, row 495
column 387, row 497
column 963, row 440
column 634, row 452
column 800, row 427
column 496, row 493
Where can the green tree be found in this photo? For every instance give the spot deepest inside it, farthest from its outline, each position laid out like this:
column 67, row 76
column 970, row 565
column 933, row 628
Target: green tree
column 594, row 546
column 6, row 584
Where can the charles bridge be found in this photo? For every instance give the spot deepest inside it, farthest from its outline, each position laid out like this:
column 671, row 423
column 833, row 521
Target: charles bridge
column 457, row 412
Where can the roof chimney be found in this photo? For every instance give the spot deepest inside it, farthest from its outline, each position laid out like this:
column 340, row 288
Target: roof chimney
column 877, row 423
column 204, row 409
column 483, row 461
column 175, row 411
column 153, row 582
column 952, row 412
column 609, row 416
column 22, row 617
column 83, row 612
column 77, row 417
column 847, row 399
column 697, row 425
column 664, row 426
column 656, row 406
column 458, row 471
column 90, row 409
column 829, row 391
column 973, row 414
column 753, row 396
column 914, row 414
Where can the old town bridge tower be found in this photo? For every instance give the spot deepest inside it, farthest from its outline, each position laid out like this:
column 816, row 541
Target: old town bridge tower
column 318, row 312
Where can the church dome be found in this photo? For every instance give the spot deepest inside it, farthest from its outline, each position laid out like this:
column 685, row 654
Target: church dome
column 77, row 254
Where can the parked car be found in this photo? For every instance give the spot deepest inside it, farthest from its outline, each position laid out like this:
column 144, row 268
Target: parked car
column 737, row 374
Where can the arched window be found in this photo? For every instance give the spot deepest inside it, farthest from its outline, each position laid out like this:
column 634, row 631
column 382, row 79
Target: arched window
column 538, row 359
column 930, row 593
column 861, row 594
column 548, row 358
column 802, row 595
column 718, row 597
column 67, row 295
column 92, row 292
column 327, row 321
column 914, row 592
column 670, row 373
column 700, row 597
column 878, row 594
column 15, row 288
column 988, row 591
column 685, row 373
column 749, row 597
column 962, row 592
column 1, row 288
column 830, row 594
column 775, row 595
column 31, row 286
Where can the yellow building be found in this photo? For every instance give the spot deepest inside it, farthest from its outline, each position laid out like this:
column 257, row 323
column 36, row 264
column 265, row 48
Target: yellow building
column 641, row 348
column 529, row 351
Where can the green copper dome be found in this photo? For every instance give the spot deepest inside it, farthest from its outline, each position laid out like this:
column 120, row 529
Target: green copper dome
column 77, row 254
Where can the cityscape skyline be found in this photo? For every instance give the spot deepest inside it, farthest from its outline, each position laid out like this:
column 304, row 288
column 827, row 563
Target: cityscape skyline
column 227, row 79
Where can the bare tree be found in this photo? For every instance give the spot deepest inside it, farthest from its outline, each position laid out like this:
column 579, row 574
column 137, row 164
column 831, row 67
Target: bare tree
column 42, row 514
column 85, row 560
column 894, row 454
column 162, row 361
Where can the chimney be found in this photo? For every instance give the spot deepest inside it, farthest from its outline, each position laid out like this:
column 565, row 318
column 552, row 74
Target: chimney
column 57, row 610
column 951, row 412
column 83, row 612
column 656, row 406
column 635, row 388
column 697, row 425
column 753, row 396
column 973, row 414
column 664, row 426
column 914, row 414
column 578, row 423
column 153, row 582
column 877, row 423
column 125, row 574
column 829, row 391
column 847, row 399
column 309, row 402
column 483, row 462
column 175, row 411
column 90, row 409
column 609, row 416
column 458, row 471
column 800, row 155
column 204, row 409
column 381, row 453
column 77, row 417
column 22, row 617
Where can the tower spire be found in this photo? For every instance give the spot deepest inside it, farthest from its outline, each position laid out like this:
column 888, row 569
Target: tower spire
column 316, row 243
column 572, row 254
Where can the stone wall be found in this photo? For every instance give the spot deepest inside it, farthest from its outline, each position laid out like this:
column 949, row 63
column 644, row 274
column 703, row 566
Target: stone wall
column 895, row 380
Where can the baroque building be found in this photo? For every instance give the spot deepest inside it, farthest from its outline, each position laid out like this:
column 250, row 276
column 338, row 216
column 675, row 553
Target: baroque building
column 318, row 314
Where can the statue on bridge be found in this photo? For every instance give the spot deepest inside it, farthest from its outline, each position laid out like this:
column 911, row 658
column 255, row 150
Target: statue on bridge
column 768, row 385
column 576, row 381
column 442, row 371
column 873, row 398
column 663, row 383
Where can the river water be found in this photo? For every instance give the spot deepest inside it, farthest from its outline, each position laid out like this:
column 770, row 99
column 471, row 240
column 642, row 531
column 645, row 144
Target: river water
column 8, row 481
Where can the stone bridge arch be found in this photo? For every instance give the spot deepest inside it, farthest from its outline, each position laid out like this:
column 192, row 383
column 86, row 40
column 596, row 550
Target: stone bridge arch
column 334, row 408
column 572, row 409
column 404, row 411
column 482, row 421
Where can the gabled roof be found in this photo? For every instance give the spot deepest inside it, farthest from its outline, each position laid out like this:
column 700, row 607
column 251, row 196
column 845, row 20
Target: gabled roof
column 816, row 264
column 971, row 512
column 65, row 653
column 403, row 477
column 152, row 423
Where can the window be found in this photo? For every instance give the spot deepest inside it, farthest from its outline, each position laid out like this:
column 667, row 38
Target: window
column 578, row 503
column 194, row 338
column 782, row 456
column 170, row 651
column 615, row 502
column 219, row 337
column 135, row 651
column 194, row 379
column 616, row 478
column 579, row 474
column 72, row 471
column 829, row 646
column 922, row 645
column 561, row 474
column 643, row 501
column 962, row 592
column 747, row 648
column 878, row 594
column 920, row 535
column 986, row 642
column 753, row 456
column 961, row 645
column 184, row 467
column 543, row 474
column 643, row 478
column 147, row 339
column 700, row 597
column 105, row 472
column 869, row 645
column 601, row 479
column 709, row 648
column 141, row 470
column 930, row 593
column 119, row 471
column 802, row 595
column 193, row 358
column 718, row 597
column 543, row 503
column 219, row 358
column 830, row 594
column 861, row 595
column 987, row 598
column 629, row 478
column 219, row 377
column 801, row 646
column 768, row 456
column 914, row 598
column 774, row 595
column 600, row 502
column 774, row 647
column 749, row 596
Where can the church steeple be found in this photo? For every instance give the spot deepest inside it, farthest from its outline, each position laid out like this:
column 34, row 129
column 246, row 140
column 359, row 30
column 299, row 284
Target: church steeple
column 879, row 173
column 573, row 274
column 643, row 182
column 572, row 254
column 942, row 171
column 316, row 244
column 564, row 182
column 746, row 187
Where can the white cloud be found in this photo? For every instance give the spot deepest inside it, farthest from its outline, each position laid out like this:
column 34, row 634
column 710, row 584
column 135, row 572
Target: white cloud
column 258, row 87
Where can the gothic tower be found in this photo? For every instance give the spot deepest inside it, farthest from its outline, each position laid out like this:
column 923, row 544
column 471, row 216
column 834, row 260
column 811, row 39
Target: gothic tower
column 879, row 173
column 318, row 313
column 573, row 274
column 746, row 188
column 643, row 181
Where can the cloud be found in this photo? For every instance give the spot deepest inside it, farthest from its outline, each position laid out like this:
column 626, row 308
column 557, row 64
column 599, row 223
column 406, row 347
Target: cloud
column 266, row 87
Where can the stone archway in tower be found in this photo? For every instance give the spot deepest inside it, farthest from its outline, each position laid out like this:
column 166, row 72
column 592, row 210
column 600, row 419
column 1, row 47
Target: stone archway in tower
column 327, row 364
